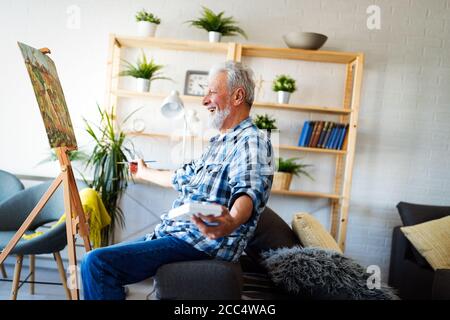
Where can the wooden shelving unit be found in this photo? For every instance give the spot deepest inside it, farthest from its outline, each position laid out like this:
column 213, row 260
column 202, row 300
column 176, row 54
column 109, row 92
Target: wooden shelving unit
column 347, row 113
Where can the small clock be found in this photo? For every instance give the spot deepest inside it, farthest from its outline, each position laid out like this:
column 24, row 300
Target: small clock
column 195, row 83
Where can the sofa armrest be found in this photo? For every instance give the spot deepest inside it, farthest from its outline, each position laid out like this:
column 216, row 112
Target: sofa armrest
column 441, row 284
column 200, row 279
column 398, row 252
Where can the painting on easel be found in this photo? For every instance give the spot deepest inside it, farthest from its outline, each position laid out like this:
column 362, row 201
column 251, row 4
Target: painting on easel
column 50, row 97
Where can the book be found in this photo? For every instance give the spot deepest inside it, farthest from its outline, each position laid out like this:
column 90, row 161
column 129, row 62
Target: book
column 332, row 136
column 338, row 137
column 335, row 136
column 342, row 136
column 303, row 134
column 322, row 134
column 328, row 134
column 309, row 133
column 316, row 134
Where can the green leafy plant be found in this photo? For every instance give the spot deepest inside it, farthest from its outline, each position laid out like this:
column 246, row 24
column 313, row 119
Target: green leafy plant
column 74, row 155
column 143, row 69
column 284, row 83
column 265, row 122
column 110, row 176
column 291, row 166
column 210, row 21
column 143, row 15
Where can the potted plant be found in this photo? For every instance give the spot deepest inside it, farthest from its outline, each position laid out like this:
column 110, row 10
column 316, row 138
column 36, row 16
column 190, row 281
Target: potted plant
column 284, row 85
column 147, row 23
column 110, row 174
column 265, row 122
column 286, row 169
column 217, row 25
column 144, row 71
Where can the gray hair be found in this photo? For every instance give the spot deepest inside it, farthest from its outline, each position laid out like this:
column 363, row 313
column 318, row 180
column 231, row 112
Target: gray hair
column 238, row 75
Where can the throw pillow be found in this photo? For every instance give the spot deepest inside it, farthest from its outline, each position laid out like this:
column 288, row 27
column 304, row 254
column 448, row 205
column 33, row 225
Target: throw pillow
column 321, row 274
column 412, row 214
column 312, row 234
column 432, row 240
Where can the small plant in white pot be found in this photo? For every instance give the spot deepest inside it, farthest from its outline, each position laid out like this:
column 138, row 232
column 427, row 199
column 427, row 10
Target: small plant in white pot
column 217, row 25
column 284, row 85
column 147, row 23
column 265, row 122
column 144, row 71
column 286, row 169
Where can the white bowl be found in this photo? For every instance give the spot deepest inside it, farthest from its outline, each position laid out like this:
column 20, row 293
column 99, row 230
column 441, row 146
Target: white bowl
column 304, row 40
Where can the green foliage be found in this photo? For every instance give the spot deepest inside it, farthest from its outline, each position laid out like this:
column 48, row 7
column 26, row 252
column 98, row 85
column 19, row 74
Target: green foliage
column 143, row 15
column 291, row 166
column 210, row 21
column 265, row 122
column 109, row 177
column 284, row 83
column 74, row 155
column 143, row 69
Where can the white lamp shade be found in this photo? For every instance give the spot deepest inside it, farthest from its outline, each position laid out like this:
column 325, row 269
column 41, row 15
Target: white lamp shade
column 172, row 106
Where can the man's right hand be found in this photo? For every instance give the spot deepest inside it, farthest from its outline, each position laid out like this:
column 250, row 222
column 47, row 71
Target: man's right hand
column 137, row 168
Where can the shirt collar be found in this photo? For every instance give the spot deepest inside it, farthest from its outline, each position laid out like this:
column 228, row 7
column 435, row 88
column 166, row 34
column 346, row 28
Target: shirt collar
column 231, row 133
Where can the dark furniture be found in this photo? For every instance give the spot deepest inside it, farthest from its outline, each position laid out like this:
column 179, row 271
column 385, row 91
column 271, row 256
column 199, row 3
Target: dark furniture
column 409, row 272
column 213, row 279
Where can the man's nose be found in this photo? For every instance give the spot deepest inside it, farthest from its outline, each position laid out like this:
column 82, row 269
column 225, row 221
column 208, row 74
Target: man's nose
column 205, row 101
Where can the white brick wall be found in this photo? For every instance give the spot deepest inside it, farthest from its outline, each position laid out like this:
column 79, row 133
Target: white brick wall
column 403, row 142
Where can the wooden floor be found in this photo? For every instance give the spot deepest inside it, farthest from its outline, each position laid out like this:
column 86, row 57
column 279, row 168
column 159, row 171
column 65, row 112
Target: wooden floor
column 139, row 291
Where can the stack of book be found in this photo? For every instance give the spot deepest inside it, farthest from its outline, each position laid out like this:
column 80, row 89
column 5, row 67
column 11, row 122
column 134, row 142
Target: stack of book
column 324, row 134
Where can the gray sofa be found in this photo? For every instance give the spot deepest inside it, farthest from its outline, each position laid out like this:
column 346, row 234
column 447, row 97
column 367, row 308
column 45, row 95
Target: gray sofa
column 216, row 280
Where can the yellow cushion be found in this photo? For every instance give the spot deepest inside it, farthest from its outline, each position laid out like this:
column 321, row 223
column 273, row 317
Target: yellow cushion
column 311, row 233
column 432, row 240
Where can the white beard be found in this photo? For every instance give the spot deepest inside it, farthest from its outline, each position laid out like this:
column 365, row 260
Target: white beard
column 217, row 119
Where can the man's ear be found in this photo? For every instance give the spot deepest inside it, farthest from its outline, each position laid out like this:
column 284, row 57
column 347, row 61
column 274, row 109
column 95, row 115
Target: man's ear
column 238, row 97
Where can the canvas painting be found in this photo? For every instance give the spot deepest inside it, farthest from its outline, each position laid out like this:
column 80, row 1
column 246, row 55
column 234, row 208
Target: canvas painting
column 50, row 97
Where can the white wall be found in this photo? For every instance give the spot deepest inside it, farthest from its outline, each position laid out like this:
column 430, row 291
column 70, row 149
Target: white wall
column 402, row 149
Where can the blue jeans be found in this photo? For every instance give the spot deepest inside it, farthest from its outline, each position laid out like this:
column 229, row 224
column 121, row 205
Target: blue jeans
column 105, row 271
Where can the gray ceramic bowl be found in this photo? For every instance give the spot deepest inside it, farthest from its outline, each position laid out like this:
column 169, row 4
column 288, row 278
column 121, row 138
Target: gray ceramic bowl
column 304, row 40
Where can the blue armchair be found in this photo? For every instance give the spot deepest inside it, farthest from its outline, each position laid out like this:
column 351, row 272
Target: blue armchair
column 9, row 185
column 13, row 213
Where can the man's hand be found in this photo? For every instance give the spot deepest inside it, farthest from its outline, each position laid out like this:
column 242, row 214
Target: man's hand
column 228, row 221
column 138, row 168
column 225, row 224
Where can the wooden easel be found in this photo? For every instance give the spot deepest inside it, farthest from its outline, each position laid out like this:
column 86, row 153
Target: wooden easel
column 75, row 218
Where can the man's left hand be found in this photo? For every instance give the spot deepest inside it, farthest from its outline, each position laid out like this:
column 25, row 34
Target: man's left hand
column 225, row 224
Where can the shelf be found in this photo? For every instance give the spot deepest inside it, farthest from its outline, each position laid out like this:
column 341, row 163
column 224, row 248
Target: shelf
column 306, row 194
column 281, row 146
column 271, row 105
column 171, row 44
column 248, row 50
column 306, row 149
column 298, row 54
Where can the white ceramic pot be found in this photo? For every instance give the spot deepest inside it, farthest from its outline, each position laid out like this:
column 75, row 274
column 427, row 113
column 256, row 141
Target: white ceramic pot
column 146, row 29
column 283, row 97
column 142, row 85
column 214, row 36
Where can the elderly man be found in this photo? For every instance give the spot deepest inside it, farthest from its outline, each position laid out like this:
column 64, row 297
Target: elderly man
column 235, row 171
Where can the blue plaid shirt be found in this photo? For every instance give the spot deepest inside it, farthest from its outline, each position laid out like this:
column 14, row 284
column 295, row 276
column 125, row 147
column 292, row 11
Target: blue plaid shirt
column 237, row 163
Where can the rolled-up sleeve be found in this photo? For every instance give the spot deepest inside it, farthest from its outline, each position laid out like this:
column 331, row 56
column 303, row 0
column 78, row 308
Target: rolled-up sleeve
column 251, row 171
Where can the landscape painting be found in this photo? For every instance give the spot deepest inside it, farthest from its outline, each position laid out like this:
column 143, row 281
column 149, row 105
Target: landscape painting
column 50, row 97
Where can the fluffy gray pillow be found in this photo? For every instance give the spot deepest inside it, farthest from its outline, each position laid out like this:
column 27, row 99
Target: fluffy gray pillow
column 321, row 274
